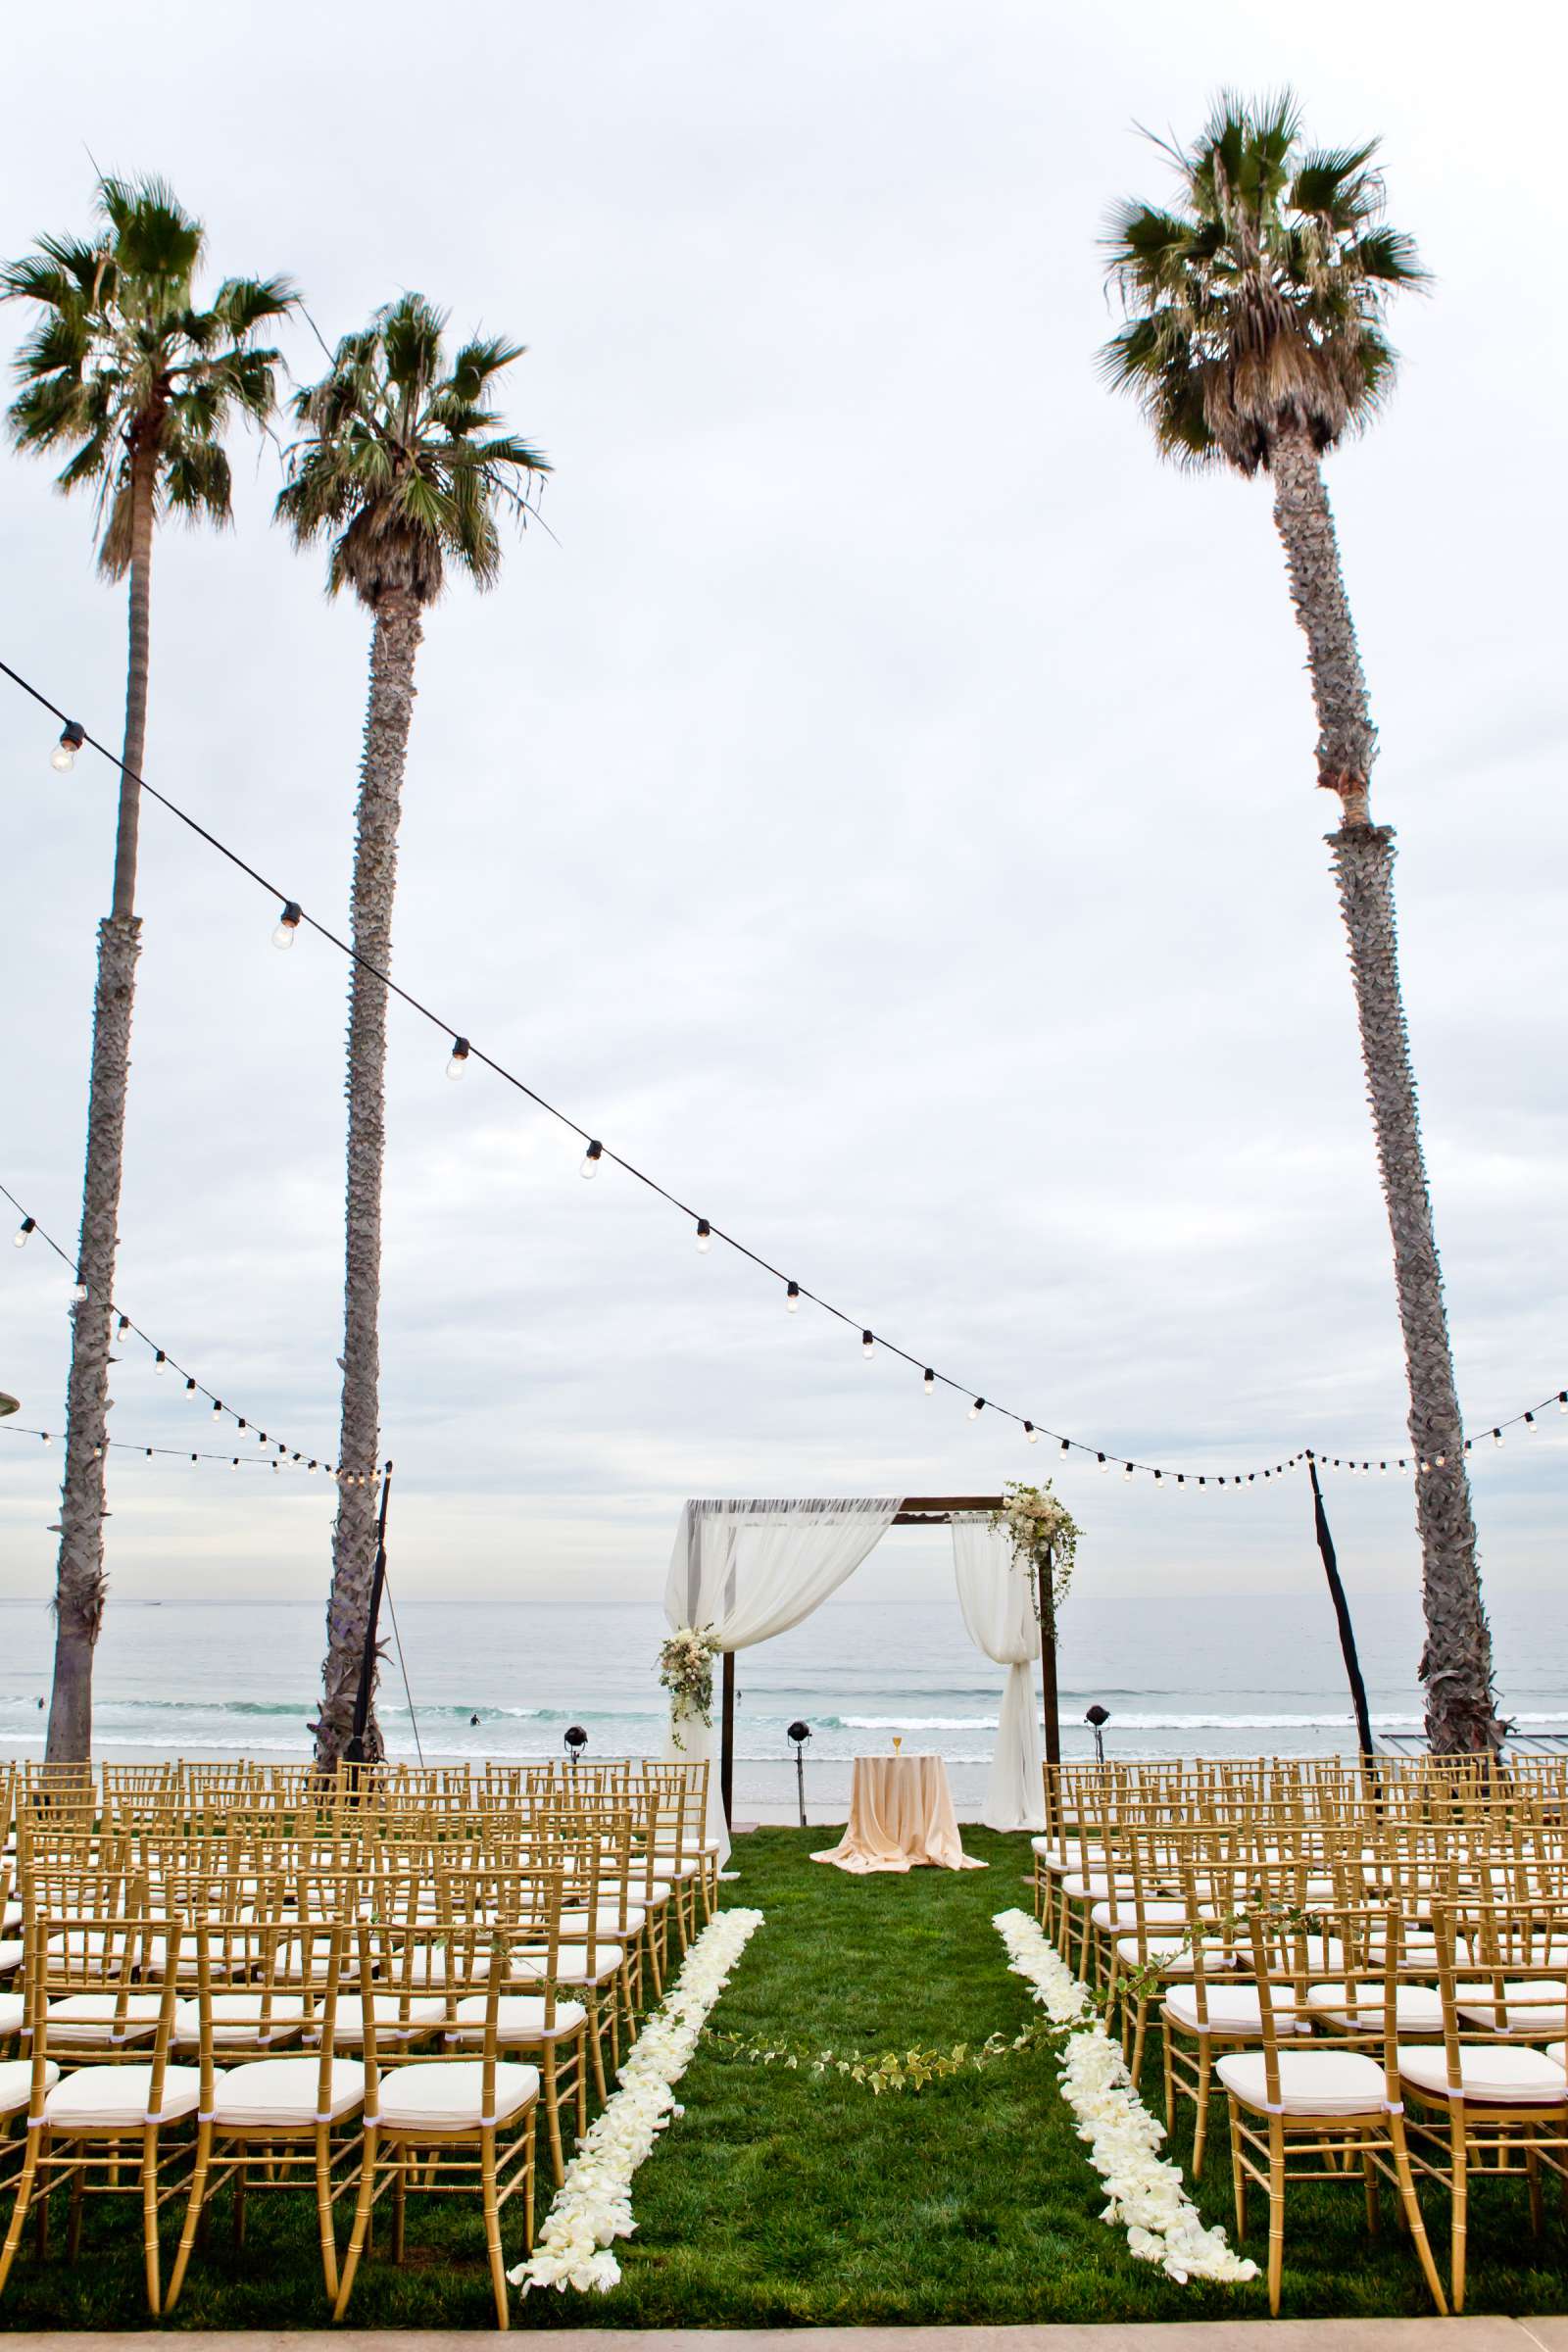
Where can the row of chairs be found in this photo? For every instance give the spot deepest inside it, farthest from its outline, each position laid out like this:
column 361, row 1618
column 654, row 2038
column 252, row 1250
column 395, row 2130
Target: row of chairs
column 362, row 1991
column 1369, row 1964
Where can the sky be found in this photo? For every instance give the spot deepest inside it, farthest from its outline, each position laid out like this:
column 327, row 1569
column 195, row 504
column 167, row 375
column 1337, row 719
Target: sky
column 881, row 804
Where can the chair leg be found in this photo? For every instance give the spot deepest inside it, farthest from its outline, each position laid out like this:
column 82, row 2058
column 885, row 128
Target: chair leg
column 1238, row 2171
column 1459, row 2197
column 1276, row 2212
column 195, row 2214
column 22, row 2207
column 323, row 2208
column 1201, row 2125
column 1412, row 2216
column 1138, row 2030
column 362, row 2222
column 1167, row 2076
column 151, row 2262
column 492, row 2230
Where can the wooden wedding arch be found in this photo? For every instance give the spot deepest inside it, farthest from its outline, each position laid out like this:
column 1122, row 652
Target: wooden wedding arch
column 915, row 1510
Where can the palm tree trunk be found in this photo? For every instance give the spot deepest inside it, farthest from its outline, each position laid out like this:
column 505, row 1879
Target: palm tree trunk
column 393, row 649
column 1457, row 1662
column 79, row 1579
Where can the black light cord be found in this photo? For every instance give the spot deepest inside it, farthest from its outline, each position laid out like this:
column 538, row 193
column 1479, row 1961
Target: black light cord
column 161, row 1355
column 181, row 1454
column 602, row 1152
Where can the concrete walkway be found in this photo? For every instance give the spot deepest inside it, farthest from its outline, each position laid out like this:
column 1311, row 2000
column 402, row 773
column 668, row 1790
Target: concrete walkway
column 1175, row 2336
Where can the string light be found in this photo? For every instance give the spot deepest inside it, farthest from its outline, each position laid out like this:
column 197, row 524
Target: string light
column 72, row 735
column 792, row 1301
column 1104, row 1464
column 288, row 923
column 191, row 1391
column 591, row 1158
column 1496, row 1437
column 704, row 1236
column 218, row 1406
column 867, row 1342
column 160, row 1360
column 929, row 1382
column 1127, row 1474
column 19, row 1240
column 977, row 1409
column 1033, row 1436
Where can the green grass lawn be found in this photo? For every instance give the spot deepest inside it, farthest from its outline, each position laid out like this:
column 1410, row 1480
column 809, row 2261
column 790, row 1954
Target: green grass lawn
column 779, row 2200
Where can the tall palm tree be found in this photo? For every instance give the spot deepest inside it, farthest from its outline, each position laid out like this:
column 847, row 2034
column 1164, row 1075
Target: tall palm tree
column 405, row 468
column 1254, row 336
column 126, row 374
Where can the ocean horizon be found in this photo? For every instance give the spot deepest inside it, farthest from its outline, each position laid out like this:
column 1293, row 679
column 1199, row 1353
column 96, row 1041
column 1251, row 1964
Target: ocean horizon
column 1223, row 1675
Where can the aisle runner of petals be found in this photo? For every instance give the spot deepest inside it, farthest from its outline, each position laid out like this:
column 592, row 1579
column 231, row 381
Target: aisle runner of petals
column 593, row 2205
column 1148, row 2195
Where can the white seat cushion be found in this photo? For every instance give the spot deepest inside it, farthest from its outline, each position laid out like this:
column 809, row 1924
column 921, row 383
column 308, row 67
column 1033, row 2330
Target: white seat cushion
column 1559, row 2051
column 1094, row 1889
column 280, row 2093
column 447, row 2096
column 236, row 2019
column 12, row 2013
column 572, row 1963
column 114, row 2098
column 1172, row 1954
column 13, row 1952
column 1527, row 2008
column 1417, row 2008
column 294, row 1967
column 1123, row 1918
column 392, row 2023
column 10, row 1917
column 1233, row 2009
column 86, row 2020
column 1491, row 2073
column 520, row 2018
column 16, row 2083
column 676, row 1866
column 608, row 1922
column 1311, row 2082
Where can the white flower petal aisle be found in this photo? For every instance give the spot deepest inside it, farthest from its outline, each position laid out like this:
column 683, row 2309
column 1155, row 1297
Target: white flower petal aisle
column 593, row 2205
column 1148, row 2195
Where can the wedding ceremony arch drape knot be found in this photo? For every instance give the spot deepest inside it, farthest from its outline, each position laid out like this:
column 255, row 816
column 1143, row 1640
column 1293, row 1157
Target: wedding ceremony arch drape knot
column 745, row 1571
column 996, row 1595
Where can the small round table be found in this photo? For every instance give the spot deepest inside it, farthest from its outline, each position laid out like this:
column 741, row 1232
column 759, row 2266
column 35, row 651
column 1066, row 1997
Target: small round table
column 901, row 1818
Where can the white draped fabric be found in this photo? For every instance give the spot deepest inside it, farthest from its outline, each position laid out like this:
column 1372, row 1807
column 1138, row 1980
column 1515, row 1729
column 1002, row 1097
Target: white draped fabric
column 997, row 1597
column 750, row 1569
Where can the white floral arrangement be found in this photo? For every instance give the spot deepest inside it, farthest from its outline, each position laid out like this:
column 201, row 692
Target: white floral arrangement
column 1044, row 1534
column 592, row 2207
column 1148, row 2195
column 686, row 1672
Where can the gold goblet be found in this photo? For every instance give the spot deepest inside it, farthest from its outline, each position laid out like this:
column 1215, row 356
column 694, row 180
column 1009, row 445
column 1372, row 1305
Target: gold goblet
column 898, row 1742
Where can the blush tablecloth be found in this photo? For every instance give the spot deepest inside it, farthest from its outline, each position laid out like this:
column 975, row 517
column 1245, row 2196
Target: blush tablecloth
column 901, row 1815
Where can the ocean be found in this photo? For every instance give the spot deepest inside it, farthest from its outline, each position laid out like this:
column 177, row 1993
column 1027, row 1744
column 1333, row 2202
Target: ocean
column 1181, row 1675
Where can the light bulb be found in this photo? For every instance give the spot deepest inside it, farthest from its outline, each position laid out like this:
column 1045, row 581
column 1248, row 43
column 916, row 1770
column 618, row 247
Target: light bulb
column 1443, row 1460
column 459, row 1058
column 1067, row 1446
column 591, row 1158
column 1104, row 1464
column 79, row 1290
column 72, row 735
column 977, row 1409
column 1160, row 1482
column 1529, row 1420
column 121, row 1327
column 1496, row 1437
column 792, row 1298
column 1031, row 1433
column 288, row 922
column 44, row 1433
column 160, row 1360
column 1127, row 1472
column 1562, row 1400
column 218, row 1406
column 191, row 1391
column 234, row 1464
column 19, row 1240
column 867, row 1342
column 929, row 1382
column 704, row 1236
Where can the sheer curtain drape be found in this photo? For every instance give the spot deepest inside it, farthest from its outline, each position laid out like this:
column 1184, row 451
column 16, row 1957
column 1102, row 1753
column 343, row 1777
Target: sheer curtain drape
column 996, row 1597
column 750, row 1569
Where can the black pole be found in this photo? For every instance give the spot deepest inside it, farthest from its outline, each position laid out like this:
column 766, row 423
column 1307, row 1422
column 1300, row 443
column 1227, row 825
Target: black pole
column 726, row 1751
column 354, row 1754
column 799, row 1778
column 1342, row 1610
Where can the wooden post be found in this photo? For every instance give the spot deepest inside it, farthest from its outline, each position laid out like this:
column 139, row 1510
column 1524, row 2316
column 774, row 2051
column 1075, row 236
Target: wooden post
column 1048, row 1687
column 727, row 1753
column 1342, row 1612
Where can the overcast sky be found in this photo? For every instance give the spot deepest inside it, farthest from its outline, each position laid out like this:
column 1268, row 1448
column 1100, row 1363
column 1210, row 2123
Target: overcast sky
column 882, row 805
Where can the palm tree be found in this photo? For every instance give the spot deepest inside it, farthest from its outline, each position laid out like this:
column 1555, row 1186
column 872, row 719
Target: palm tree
column 122, row 372
column 1254, row 337
column 405, row 468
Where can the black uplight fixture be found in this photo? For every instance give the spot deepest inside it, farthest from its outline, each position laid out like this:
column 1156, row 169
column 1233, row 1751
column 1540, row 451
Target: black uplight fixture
column 799, row 1732
column 1097, row 1719
column 576, row 1739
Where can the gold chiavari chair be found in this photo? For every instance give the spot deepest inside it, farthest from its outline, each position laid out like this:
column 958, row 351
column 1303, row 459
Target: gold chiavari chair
column 438, row 2124
column 1319, row 2112
column 279, row 2125
column 102, row 2128
column 544, row 2025
column 1486, row 2100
